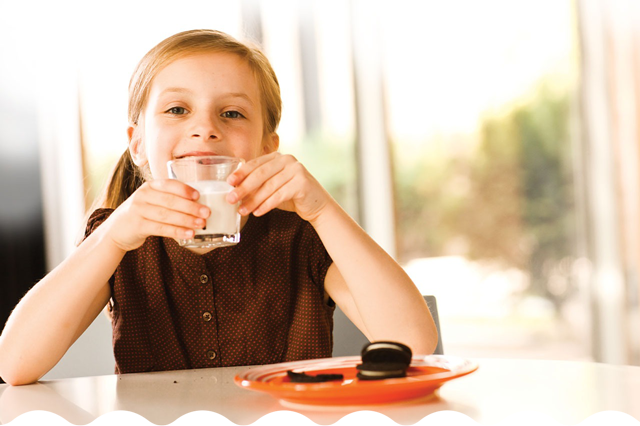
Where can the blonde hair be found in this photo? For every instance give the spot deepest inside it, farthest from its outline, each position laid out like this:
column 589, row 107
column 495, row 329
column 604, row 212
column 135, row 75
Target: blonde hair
column 126, row 176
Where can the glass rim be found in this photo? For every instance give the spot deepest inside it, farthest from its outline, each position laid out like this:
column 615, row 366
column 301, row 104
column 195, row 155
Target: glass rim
column 213, row 159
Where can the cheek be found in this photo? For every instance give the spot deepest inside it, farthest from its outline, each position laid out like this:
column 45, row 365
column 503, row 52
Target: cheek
column 256, row 147
column 156, row 131
column 159, row 147
column 157, row 165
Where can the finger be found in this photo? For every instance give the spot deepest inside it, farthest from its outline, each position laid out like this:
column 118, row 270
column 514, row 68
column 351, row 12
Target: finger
column 284, row 193
column 247, row 168
column 176, row 187
column 260, row 175
column 174, row 202
column 163, row 215
column 160, row 229
column 267, row 190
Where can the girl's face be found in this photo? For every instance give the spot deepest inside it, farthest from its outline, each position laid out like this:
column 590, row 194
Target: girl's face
column 201, row 104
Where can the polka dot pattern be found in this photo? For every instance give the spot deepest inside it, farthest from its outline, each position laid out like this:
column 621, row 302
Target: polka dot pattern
column 258, row 302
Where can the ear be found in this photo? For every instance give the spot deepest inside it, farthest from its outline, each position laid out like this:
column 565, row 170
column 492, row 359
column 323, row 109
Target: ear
column 136, row 146
column 271, row 143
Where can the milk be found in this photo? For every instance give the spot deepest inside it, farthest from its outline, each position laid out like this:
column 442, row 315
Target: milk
column 224, row 218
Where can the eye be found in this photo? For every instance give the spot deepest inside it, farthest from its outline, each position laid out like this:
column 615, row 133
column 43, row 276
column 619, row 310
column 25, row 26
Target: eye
column 177, row 111
column 232, row 114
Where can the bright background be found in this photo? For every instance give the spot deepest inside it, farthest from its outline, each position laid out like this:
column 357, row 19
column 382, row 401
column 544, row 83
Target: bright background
column 476, row 141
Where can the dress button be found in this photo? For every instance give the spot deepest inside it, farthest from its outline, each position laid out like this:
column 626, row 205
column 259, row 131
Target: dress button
column 204, row 279
column 206, row 316
column 211, row 354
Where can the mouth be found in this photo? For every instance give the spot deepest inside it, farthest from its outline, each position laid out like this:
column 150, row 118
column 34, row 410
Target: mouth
column 195, row 154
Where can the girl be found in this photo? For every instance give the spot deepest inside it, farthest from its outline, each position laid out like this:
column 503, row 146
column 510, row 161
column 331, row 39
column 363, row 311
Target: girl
column 268, row 299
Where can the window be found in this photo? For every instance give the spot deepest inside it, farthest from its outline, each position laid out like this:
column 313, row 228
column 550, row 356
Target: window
column 480, row 108
column 502, row 123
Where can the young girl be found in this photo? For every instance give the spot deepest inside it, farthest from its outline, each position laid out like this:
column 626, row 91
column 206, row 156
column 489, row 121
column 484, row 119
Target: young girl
column 269, row 298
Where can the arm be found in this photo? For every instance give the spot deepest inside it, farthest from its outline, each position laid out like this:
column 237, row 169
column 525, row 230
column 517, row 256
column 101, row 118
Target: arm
column 57, row 310
column 371, row 288
column 367, row 284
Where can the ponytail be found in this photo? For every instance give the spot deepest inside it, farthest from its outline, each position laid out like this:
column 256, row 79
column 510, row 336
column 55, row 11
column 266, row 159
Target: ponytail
column 125, row 179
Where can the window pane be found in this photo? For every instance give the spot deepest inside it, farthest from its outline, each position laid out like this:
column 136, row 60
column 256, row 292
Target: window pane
column 480, row 115
column 308, row 44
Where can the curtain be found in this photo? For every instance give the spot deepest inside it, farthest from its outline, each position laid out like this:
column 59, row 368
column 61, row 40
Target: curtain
column 607, row 173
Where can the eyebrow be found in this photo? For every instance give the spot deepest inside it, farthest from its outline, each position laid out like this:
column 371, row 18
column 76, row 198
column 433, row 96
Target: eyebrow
column 239, row 95
column 175, row 90
column 226, row 95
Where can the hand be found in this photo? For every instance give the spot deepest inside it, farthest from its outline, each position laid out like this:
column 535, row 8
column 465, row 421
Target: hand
column 163, row 207
column 277, row 181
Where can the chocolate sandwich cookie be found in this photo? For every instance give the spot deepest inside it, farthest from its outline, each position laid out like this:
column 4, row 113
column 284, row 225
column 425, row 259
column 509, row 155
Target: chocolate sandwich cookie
column 303, row 377
column 384, row 360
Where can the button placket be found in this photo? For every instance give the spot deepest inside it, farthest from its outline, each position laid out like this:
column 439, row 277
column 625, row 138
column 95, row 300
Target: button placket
column 209, row 332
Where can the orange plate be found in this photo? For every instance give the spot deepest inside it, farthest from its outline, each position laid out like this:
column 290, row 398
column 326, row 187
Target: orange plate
column 425, row 375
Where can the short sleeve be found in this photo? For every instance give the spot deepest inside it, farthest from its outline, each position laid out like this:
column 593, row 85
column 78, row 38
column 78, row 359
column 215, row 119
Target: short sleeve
column 319, row 259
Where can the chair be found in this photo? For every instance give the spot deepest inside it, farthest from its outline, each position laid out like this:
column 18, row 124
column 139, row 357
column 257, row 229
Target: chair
column 348, row 340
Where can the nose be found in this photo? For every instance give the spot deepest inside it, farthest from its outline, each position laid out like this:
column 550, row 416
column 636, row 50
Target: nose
column 205, row 128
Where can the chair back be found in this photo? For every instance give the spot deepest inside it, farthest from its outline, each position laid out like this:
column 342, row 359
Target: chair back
column 348, row 340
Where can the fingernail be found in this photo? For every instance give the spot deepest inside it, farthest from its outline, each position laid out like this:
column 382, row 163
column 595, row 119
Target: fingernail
column 232, row 197
column 242, row 210
column 204, row 212
column 231, row 180
column 195, row 195
column 200, row 222
column 188, row 234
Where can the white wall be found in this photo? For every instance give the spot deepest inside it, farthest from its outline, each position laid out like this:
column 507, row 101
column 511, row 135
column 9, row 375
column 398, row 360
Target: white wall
column 64, row 207
column 91, row 355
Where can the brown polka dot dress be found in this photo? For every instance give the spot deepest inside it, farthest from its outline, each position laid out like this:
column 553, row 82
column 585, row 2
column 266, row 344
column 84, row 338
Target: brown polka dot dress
column 258, row 302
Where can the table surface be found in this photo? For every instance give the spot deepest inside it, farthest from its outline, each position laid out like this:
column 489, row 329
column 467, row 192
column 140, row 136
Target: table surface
column 567, row 391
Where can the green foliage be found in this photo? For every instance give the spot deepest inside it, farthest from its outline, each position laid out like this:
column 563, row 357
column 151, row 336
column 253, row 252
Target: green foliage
column 331, row 160
column 547, row 183
column 430, row 189
column 506, row 198
column 491, row 216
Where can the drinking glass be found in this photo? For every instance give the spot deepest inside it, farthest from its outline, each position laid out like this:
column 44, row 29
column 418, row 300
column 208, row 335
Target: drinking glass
column 208, row 175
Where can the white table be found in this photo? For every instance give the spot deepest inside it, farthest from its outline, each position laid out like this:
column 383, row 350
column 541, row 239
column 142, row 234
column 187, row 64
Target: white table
column 568, row 392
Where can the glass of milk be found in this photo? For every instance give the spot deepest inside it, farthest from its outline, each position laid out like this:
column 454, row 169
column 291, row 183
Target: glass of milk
column 208, row 175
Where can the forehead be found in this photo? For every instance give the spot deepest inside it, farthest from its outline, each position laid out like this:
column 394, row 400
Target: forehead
column 208, row 73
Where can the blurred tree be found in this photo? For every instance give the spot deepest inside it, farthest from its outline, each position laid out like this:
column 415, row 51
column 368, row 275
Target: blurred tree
column 331, row 160
column 491, row 217
column 430, row 188
column 547, row 188
column 521, row 208
column 507, row 198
